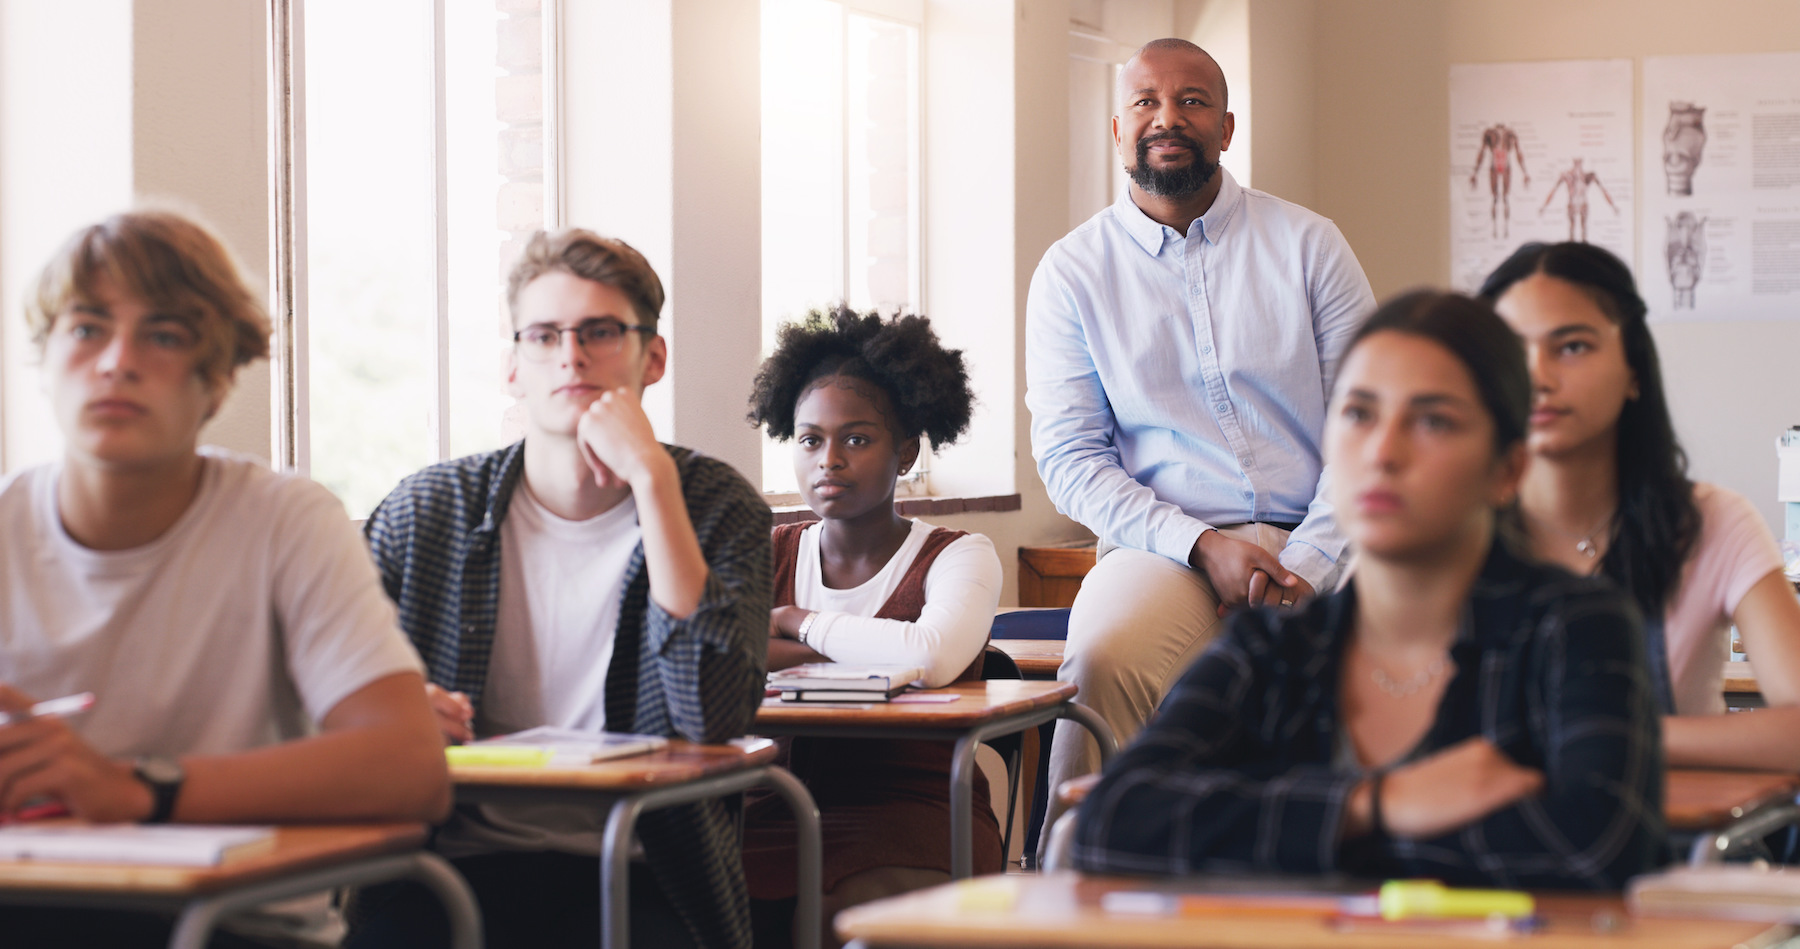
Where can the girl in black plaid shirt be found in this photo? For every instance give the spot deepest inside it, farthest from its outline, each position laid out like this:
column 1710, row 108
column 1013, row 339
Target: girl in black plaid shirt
column 1454, row 712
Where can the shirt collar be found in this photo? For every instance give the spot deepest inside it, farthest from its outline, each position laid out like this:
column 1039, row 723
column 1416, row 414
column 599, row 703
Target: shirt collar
column 500, row 490
column 1151, row 236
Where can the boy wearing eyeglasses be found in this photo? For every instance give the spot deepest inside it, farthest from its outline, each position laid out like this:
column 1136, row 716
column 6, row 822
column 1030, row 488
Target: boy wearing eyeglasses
column 587, row 577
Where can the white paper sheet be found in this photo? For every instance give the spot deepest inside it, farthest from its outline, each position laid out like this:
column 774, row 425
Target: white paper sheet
column 1721, row 181
column 1517, row 131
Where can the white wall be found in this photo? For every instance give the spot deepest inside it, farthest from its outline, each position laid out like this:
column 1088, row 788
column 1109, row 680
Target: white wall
column 200, row 143
column 60, row 167
column 105, row 103
column 662, row 149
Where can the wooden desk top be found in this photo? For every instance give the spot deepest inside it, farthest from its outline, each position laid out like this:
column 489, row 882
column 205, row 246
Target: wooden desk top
column 296, row 848
column 1062, row 910
column 1036, row 657
column 976, row 702
column 1705, row 800
column 681, row 761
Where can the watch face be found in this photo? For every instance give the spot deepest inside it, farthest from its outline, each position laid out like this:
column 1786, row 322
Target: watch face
column 161, row 770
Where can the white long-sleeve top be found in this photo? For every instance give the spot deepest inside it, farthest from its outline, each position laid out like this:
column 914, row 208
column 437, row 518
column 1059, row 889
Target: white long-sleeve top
column 962, row 589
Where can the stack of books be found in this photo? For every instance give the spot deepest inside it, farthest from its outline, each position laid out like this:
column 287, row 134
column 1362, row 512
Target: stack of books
column 842, row 682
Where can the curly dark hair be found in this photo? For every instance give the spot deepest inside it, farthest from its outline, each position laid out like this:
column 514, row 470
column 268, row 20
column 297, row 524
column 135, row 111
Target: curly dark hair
column 928, row 384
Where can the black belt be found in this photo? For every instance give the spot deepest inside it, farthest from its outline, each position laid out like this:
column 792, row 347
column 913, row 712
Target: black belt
column 1290, row 527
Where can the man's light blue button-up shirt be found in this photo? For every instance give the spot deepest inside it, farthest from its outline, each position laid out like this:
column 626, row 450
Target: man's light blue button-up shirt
column 1176, row 383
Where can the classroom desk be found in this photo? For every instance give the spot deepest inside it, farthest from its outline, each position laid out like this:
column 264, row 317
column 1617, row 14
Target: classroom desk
column 982, row 710
column 1037, row 658
column 305, row 860
column 1062, row 910
column 682, row 773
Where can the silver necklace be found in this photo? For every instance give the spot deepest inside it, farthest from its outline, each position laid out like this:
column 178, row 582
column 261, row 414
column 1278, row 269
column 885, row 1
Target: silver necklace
column 1410, row 687
column 1586, row 546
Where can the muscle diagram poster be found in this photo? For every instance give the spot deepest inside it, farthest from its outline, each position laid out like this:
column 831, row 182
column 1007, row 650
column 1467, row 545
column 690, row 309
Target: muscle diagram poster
column 1721, row 180
column 1538, row 152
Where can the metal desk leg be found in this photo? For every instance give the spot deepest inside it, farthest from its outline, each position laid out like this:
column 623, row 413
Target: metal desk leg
column 453, row 891
column 615, row 873
column 962, row 806
column 811, row 873
column 1109, row 745
column 1089, row 719
column 200, row 916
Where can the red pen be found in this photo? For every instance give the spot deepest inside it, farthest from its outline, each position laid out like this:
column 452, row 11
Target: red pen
column 40, row 811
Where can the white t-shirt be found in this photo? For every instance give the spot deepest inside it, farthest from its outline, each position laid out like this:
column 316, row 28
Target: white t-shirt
column 1733, row 553
column 243, row 624
column 962, row 589
column 561, row 583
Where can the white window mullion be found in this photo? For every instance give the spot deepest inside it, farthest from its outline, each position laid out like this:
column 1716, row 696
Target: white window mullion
column 287, row 265
column 440, row 219
column 554, row 213
column 845, row 280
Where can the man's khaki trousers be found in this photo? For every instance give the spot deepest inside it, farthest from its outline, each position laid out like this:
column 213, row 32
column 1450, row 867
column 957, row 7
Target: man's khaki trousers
column 1138, row 623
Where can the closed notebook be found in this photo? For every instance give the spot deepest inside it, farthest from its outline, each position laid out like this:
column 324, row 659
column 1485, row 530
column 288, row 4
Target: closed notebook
column 186, row 845
column 870, row 681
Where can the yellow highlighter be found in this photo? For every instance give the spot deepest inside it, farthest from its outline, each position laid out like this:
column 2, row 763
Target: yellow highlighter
column 519, row 756
column 1429, row 899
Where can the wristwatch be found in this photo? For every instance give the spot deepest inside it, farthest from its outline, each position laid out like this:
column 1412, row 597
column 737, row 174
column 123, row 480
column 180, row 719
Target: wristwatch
column 163, row 776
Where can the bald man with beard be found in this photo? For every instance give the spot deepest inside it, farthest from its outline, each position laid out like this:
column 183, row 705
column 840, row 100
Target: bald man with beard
column 1180, row 348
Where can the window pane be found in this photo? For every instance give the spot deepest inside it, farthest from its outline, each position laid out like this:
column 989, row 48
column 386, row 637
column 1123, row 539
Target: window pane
column 372, row 245
column 495, row 135
column 802, row 174
column 840, row 169
column 882, row 147
column 370, row 271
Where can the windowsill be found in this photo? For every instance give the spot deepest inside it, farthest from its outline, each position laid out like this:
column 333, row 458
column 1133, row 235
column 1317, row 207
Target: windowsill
column 908, row 507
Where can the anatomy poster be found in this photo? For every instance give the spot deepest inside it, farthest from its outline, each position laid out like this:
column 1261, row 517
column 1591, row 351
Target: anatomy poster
column 1721, row 180
column 1538, row 152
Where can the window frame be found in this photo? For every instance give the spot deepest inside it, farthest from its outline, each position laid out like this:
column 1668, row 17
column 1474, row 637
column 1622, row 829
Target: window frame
column 290, row 383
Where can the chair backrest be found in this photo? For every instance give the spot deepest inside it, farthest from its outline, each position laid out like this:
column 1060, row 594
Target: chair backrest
column 1031, row 624
column 998, row 665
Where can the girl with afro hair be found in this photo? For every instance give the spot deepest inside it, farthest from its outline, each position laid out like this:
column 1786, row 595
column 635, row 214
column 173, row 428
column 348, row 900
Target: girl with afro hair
column 855, row 394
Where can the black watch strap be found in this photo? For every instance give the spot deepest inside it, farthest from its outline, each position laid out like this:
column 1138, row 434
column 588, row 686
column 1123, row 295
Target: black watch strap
column 164, row 777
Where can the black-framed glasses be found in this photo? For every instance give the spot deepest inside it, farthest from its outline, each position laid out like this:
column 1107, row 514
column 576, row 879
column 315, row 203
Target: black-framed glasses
column 600, row 336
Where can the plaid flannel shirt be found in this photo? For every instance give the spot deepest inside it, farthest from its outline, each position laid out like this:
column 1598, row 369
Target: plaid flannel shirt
column 436, row 541
column 1234, row 774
